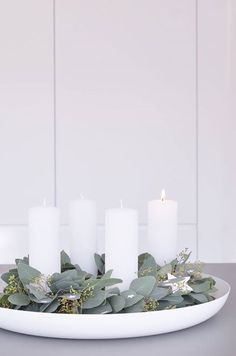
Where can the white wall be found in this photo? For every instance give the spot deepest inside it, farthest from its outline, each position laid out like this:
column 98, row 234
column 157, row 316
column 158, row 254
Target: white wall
column 217, row 130
column 124, row 98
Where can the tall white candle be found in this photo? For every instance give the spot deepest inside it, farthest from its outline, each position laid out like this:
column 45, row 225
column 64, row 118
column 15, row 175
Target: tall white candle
column 82, row 216
column 121, row 244
column 44, row 244
column 162, row 229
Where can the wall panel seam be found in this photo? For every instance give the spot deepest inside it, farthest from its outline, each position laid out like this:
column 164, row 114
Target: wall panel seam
column 99, row 225
column 54, row 105
column 197, row 126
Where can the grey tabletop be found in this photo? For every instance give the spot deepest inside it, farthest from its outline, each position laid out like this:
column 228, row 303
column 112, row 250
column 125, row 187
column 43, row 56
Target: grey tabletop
column 216, row 336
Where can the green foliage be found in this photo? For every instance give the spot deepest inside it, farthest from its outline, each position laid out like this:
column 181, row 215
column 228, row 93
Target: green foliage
column 131, row 298
column 66, row 262
column 26, row 273
column 147, row 265
column 136, row 308
column 105, row 308
column 199, row 298
column 203, row 285
column 159, row 293
column 163, row 272
column 94, row 300
column 19, row 299
column 174, row 300
column 117, row 303
column 73, row 291
column 143, row 285
column 100, row 262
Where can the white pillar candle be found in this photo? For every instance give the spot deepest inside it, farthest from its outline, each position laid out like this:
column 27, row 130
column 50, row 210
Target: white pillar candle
column 121, row 244
column 162, row 229
column 82, row 216
column 44, row 243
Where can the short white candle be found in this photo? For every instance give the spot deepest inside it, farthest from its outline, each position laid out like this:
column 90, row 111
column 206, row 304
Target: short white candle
column 121, row 244
column 162, row 229
column 44, row 244
column 83, row 220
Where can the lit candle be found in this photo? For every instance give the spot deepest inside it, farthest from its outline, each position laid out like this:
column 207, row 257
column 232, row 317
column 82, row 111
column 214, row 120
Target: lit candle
column 162, row 229
column 121, row 244
column 82, row 217
column 44, row 244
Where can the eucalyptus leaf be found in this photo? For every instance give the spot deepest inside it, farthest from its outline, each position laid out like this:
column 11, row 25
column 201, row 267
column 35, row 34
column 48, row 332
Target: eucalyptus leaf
column 65, row 259
column 19, row 299
column 32, row 307
column 66, row 262
column 71, row 275
column 101, row 283
column 36, row 292
column 163, row 271
column 131, row 298
column 70, row 296
column 95, row 300
column 22, row 260
column 66, row 280
column 107, row 274
column 143, row 285
column 163, row 304
column 159, row 293
column 51, row 307
column 147, row 265
column 172, row 299
column 201, row 287
column 112, row 291
column 201, row 298
column 99, row 263
column 117, row 303
column 186, row 302
column 136, row 308
column 44, row 300
column 65, row 285
column 174, row 263
column 5, row 276
column 27, row 273
column 101, row 309
column 18, row 307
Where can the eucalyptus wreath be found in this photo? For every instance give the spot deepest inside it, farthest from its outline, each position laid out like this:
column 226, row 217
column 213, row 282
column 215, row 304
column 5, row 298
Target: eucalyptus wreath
column 73, row 291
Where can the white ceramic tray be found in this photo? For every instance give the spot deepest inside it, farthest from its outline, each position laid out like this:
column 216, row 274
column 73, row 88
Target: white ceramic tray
column 112, row 326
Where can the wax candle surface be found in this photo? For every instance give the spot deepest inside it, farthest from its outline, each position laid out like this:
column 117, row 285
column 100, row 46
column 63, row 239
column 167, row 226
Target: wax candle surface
column 121, row 244
column 162, row 229
column 82, row 216
column 44, row 244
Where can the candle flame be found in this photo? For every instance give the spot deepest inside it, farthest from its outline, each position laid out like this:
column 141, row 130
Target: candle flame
column 163, row 195
column 121, row 204
column 82, row 196
column 44, row 201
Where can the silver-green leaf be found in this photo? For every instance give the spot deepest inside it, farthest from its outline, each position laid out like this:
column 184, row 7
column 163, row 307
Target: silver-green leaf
column 95, row 300
column 19, row 299
column 27, row 273
column 117, row 303
column 143, row 285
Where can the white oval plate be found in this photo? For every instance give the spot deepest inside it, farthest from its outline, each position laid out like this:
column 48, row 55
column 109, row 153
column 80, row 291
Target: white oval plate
column 112, row 326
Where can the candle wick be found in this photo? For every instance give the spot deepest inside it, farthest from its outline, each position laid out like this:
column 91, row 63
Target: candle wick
column 121, row 204
column 163, row 195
